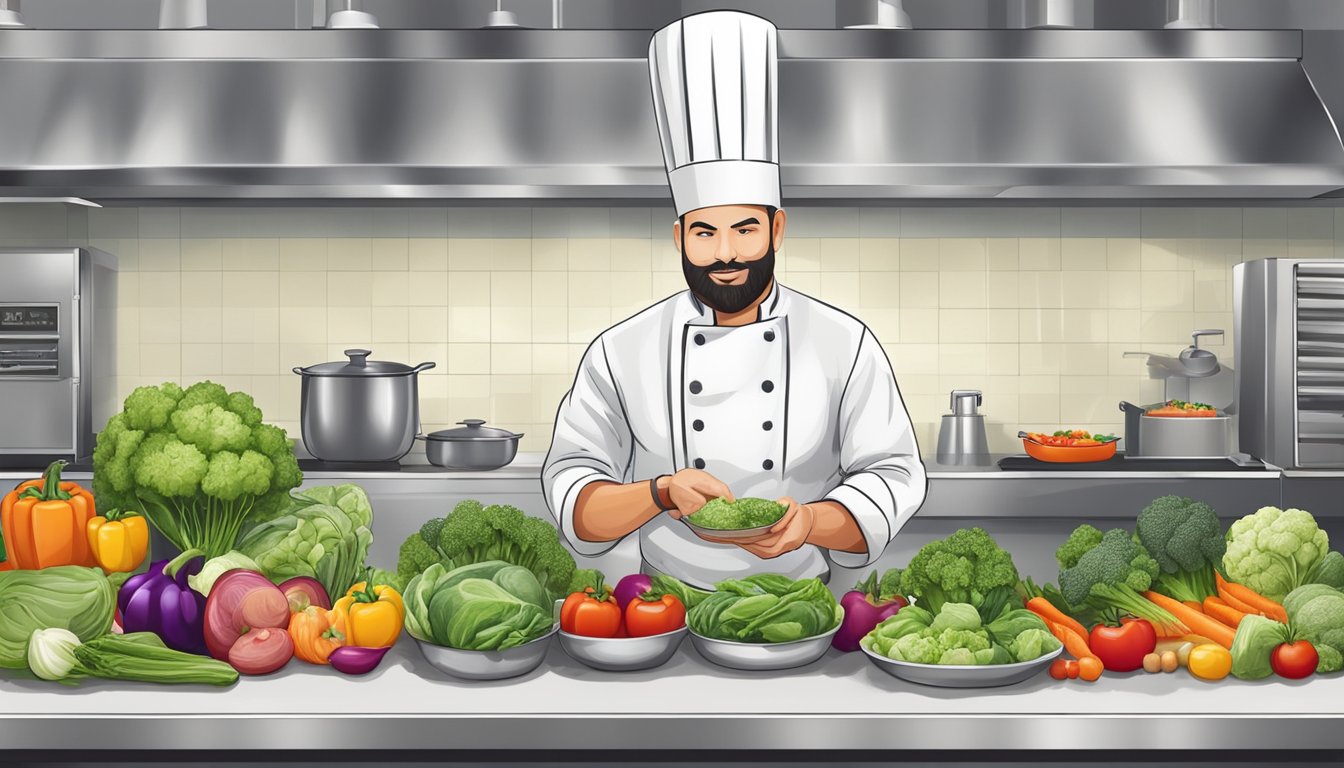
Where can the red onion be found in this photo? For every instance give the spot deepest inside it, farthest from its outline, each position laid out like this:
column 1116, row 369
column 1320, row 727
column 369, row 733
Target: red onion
column 631, row 587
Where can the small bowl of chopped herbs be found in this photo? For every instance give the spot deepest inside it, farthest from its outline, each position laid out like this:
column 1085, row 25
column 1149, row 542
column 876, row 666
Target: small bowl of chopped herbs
column 745, row 518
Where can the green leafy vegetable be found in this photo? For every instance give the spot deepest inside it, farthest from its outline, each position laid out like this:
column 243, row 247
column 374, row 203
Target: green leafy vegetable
column 688, row 595
column 218, row 566
column 71, row 597
column 480, row 607
column 324, row 534
column 1186, row 539
column 956, row 637
column 475, row 533
column 1106, row 573
column 1273, row 551
column 962, row 568
column 1330, row 571
column 199, row 462
column 1316, row 613
column 722, row 515
column 766, row 608
column 1255, row 641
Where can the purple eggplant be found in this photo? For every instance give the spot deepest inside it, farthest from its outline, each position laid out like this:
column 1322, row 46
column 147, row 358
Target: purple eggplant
column 631, row 587
column 864, row 608
column 160, row 601
column 356, row 660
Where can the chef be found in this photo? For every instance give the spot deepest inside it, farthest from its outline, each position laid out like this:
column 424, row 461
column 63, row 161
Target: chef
column 737, row 387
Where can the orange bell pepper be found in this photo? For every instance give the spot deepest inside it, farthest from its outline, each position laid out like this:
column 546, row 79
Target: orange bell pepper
column 43, row 523
column 118, row 540
column 316, row 632
column 373, row 615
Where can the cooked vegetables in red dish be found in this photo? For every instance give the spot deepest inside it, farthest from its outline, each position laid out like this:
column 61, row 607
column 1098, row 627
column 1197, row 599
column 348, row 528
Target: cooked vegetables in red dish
column 1070, row 438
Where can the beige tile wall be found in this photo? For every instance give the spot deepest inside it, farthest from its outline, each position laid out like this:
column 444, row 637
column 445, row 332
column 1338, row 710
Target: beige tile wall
column 1034, row 306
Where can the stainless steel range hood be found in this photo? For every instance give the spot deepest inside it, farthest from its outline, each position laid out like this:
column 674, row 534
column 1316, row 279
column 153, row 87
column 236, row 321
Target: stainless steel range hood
column 522, row 114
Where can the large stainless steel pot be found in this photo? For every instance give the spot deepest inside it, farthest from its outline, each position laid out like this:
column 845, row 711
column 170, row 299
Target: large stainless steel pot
column 361, row 410
column 474, row 446
column 1146, row 437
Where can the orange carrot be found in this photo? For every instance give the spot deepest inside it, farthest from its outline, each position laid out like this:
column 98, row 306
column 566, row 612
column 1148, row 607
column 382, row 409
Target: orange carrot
column 1219, row 632
column 1170, row 631
column 1047, row 610
column 1223, row 612
column 1261, row 604
column 1074, row 643
column 1232, row 601
column 1192, row 605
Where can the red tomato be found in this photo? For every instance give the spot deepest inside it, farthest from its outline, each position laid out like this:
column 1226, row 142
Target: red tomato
column 588, row 614
column 1294, row 660
column 654, row 617
column 1122, row 648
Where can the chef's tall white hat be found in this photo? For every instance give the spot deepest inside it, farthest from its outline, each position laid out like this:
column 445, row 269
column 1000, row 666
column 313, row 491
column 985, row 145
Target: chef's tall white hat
column 714, row 97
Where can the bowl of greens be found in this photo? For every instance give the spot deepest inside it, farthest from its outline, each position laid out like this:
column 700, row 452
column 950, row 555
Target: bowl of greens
column 953, row 649
column 766, row 621
column 740, row 519
column 484, row 621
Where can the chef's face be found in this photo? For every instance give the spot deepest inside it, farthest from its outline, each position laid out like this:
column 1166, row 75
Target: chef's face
column 728, row 253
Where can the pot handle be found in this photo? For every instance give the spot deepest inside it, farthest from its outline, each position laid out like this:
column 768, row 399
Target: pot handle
column 298, row 370
column 422, row 367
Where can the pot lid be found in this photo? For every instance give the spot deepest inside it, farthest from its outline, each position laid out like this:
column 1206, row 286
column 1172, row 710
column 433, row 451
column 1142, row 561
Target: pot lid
column 359, row 364
column 474, row 429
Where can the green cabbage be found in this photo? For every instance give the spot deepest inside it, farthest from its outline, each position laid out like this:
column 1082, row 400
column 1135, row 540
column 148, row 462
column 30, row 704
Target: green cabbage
column 955, row 636
column 956, row 616
column 766, row 608
column 1317, row 614
column 480, row 607
column 324, row 534
column 1254, row 644
column 71, row 597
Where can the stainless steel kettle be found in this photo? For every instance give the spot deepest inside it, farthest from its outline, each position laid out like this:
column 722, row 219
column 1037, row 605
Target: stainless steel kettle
column 961, row 438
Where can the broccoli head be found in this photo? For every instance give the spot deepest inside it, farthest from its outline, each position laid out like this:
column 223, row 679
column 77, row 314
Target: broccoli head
column 1083, row 538
column 961, row 568
column 1186, row 539
column 415, row 557
column 1109, row 577
column 890, row 583
column 475, row 533
column 197, row 462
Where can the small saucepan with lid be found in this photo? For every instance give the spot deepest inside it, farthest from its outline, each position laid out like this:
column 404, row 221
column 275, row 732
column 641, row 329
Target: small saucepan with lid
column 472, row 446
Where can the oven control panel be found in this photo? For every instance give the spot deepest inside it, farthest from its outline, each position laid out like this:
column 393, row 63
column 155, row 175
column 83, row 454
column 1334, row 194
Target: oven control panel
column 38, row 318
column 29, row 340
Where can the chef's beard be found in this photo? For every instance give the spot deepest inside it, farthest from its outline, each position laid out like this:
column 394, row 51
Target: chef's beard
column 730, row 299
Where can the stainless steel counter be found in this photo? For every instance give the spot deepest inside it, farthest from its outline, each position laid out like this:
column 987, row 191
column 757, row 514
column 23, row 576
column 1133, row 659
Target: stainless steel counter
column 840, row 703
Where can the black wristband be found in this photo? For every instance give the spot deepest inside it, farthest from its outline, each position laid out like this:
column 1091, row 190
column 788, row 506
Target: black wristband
column 653, row 491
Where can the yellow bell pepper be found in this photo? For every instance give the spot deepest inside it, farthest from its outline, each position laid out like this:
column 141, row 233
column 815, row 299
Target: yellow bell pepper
column 118, row 540
column 373, row 615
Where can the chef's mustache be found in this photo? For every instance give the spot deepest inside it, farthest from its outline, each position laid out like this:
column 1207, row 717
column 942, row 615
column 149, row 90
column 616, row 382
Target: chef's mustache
column 730, row 298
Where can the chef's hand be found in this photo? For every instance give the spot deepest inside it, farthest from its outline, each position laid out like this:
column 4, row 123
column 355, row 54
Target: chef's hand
column 691, row 489
column 788, row 534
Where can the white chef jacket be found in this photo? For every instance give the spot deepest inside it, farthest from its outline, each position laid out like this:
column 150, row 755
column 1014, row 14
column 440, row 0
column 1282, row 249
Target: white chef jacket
column 800, row 403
